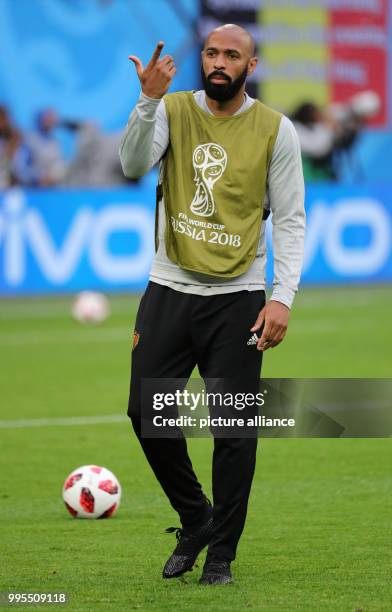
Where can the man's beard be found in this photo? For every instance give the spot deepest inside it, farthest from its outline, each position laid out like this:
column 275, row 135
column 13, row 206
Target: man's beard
column 227, row 90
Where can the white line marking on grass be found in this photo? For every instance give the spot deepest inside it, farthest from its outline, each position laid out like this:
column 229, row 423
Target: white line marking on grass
column 58, row 422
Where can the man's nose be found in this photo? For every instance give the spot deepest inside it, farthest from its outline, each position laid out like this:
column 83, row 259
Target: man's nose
column 220, row 63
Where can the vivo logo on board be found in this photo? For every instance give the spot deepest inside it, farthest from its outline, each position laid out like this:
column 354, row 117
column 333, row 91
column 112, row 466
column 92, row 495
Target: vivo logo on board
column 23, row 228
column 327, row 225
column 71, row 239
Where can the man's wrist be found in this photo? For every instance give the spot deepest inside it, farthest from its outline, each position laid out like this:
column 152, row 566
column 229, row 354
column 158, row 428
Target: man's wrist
column 279, row 302
column 146, row 107
column 147, row 98
column 284, row 297
column 151, row 96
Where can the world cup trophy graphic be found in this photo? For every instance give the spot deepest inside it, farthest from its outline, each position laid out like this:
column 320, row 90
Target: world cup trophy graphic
column 209, row 162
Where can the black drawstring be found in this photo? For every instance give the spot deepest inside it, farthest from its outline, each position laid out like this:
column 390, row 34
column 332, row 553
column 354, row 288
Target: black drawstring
column 178, row 530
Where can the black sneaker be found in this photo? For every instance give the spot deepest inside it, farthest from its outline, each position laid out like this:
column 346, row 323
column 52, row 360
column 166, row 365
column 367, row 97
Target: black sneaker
column 190, row 544
column 216, row 571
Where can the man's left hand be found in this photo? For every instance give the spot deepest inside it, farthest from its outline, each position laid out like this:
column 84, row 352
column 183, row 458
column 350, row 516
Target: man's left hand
column 275, row 317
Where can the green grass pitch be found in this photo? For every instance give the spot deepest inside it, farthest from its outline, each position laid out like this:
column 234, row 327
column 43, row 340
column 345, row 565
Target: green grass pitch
column 318, row 535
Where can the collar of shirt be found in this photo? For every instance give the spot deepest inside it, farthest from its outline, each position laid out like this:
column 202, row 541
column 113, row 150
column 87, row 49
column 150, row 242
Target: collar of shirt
column 200, row 99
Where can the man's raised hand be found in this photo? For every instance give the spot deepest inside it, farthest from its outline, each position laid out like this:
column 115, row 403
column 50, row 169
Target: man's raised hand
column 156, row 77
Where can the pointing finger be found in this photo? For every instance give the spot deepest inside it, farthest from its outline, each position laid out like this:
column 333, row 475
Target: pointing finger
column 156, row 54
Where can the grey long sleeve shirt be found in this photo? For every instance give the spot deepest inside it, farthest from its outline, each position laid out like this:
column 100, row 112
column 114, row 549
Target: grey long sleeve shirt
column 144, row 143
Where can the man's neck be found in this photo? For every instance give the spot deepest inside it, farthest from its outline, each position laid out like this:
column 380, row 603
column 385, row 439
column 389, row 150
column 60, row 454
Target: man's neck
column 227, row 107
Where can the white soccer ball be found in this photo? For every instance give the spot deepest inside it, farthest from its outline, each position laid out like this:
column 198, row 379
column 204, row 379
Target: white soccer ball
column 365, row 104
column 90, row 307
column 91, row 492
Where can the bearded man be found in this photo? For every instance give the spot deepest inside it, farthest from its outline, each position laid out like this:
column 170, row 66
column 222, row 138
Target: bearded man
column 226, row 160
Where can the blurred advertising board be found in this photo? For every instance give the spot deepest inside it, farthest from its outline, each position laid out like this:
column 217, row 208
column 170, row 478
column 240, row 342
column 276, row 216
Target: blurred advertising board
column 54, row 241
column 65, row 240
column 348, row 234
column 320, row 51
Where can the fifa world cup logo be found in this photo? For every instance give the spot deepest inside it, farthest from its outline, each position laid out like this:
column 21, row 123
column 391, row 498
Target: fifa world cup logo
column 209, row 162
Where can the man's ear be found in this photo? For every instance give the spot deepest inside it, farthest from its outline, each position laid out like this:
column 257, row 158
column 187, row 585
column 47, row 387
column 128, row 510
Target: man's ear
column 252, row 65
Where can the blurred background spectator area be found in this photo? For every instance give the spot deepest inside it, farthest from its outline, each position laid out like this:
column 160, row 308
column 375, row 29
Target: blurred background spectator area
column 67, row 87
column 69, row 219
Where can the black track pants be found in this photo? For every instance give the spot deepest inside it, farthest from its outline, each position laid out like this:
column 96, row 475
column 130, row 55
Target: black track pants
column 177, row 331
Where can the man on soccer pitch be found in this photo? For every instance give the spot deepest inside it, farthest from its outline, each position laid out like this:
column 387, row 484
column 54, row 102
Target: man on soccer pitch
column 225, row 160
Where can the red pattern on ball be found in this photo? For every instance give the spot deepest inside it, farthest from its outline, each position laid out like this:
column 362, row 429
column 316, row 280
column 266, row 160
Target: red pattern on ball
column 96, row 469
column 109, row 486
column 71, row 510
column 87, row 500
column 108, row 512
column 71, row 480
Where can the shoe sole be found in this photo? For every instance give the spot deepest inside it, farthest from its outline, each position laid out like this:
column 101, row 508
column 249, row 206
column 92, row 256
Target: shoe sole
column 179, row 574
column 184, row 571
column 227, row 580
